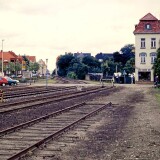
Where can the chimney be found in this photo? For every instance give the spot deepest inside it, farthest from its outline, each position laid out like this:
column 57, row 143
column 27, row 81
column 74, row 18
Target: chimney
column 135, row 26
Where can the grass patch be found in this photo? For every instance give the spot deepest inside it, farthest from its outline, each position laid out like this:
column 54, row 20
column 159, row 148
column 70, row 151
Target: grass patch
column 156, row 93
column 158, row 97
column 43, row 81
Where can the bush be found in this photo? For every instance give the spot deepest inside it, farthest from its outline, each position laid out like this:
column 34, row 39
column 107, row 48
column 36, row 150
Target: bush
column 72, row 75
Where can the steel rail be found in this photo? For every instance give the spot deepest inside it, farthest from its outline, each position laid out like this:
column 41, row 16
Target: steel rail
column 22, row 125
column 33, row 92
column 56, row 134
column 73, row 95
column 33, row 100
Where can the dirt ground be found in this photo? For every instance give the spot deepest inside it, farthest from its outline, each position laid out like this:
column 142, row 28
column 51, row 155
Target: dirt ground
column 130, row 130
column 133, row 131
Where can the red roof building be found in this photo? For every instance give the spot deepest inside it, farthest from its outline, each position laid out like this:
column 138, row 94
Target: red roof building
column 147, row 24
column 9, row 56
column 147, row 41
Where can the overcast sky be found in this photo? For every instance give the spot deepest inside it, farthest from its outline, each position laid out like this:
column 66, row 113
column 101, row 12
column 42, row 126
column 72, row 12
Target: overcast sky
column 48, row 28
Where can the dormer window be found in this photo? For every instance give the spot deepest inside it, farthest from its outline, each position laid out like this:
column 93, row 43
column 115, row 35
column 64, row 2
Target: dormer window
column 148, row 27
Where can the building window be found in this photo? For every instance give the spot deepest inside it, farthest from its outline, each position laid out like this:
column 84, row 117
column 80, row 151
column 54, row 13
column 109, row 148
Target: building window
column 148, row 27
column 153, row 42
column 143, row 57
column 143, row 44
column 153, row 57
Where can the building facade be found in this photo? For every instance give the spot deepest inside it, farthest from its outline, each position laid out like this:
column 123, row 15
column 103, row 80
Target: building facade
column 42, row 68
column 17, row 60
column 147, row 41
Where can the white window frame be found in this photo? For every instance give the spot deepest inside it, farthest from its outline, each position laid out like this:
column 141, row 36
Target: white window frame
column 153, row 57
column 153, row 42
column 143, row 43
column 148, row 26
column 143, row 57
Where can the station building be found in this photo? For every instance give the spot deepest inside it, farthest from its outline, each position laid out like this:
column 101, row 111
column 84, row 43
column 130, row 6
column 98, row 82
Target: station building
column 147, row 41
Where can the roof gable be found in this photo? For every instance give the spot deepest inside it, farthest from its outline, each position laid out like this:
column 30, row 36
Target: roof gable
column 148, row 17
column 148, row 25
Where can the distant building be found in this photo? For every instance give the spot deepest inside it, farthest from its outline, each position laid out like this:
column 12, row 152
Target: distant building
column 42, row 67
column 147, row 39
column 103, row 56
column 10, row 56
column 31, row 58
column 81, row 55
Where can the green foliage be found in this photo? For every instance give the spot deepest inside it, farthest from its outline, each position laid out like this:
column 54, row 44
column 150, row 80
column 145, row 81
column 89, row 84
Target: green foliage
column 82, row 70
column 91, row 62
column 18, row 66
column 10, row 67
column 72, row 75
column 34, row 66
column 73, row 67
column 156, row 65
column 78, row 68
column 129, row 66
column 127, row 52
column 63, row 64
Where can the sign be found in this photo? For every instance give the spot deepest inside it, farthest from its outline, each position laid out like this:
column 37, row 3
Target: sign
column 27, row 74
column 23, row 65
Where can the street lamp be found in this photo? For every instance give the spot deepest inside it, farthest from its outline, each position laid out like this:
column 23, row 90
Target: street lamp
column 46, row 74
column 16, row 67
column 2, row 57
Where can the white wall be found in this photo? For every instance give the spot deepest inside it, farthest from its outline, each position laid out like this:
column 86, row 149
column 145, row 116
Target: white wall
column 148, row 65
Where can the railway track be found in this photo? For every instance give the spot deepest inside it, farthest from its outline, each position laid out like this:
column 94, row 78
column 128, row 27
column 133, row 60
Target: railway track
column 30, row 92
column 17, row 141
column 5, row 108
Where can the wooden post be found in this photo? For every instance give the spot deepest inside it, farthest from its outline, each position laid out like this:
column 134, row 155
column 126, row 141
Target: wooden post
column 1, row 95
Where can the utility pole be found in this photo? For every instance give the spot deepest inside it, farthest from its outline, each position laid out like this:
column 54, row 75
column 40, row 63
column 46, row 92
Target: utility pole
column 2, row 57
column 46, row 73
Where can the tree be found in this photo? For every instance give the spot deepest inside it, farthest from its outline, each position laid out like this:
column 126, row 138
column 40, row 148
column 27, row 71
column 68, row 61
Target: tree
column 91, row 62
column 129, row 66
column 72, row 75
column 18, row 67
column 127, row 53
column 105, row 68
column 117, row 57
column 78, row 68
column 34, row 66
column 26, row 61
column 81, row 71
column 63, row 63
column 156, row 65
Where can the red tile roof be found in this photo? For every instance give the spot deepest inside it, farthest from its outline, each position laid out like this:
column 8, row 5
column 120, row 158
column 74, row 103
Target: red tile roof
column 148, row 19
column 33, row 58
column 8, row 56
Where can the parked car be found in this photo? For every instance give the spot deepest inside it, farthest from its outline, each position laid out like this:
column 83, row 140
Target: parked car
column 13, row 76
column 11, row 81
column 3, row 81
column 19, row 76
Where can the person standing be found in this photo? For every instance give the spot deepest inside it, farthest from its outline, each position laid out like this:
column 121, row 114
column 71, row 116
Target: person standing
column 156, row 81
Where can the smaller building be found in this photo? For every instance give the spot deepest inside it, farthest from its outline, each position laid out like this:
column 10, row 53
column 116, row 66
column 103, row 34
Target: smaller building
column 18, row 63
column 81, row 55
column 103, row 56
column 42, row 68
